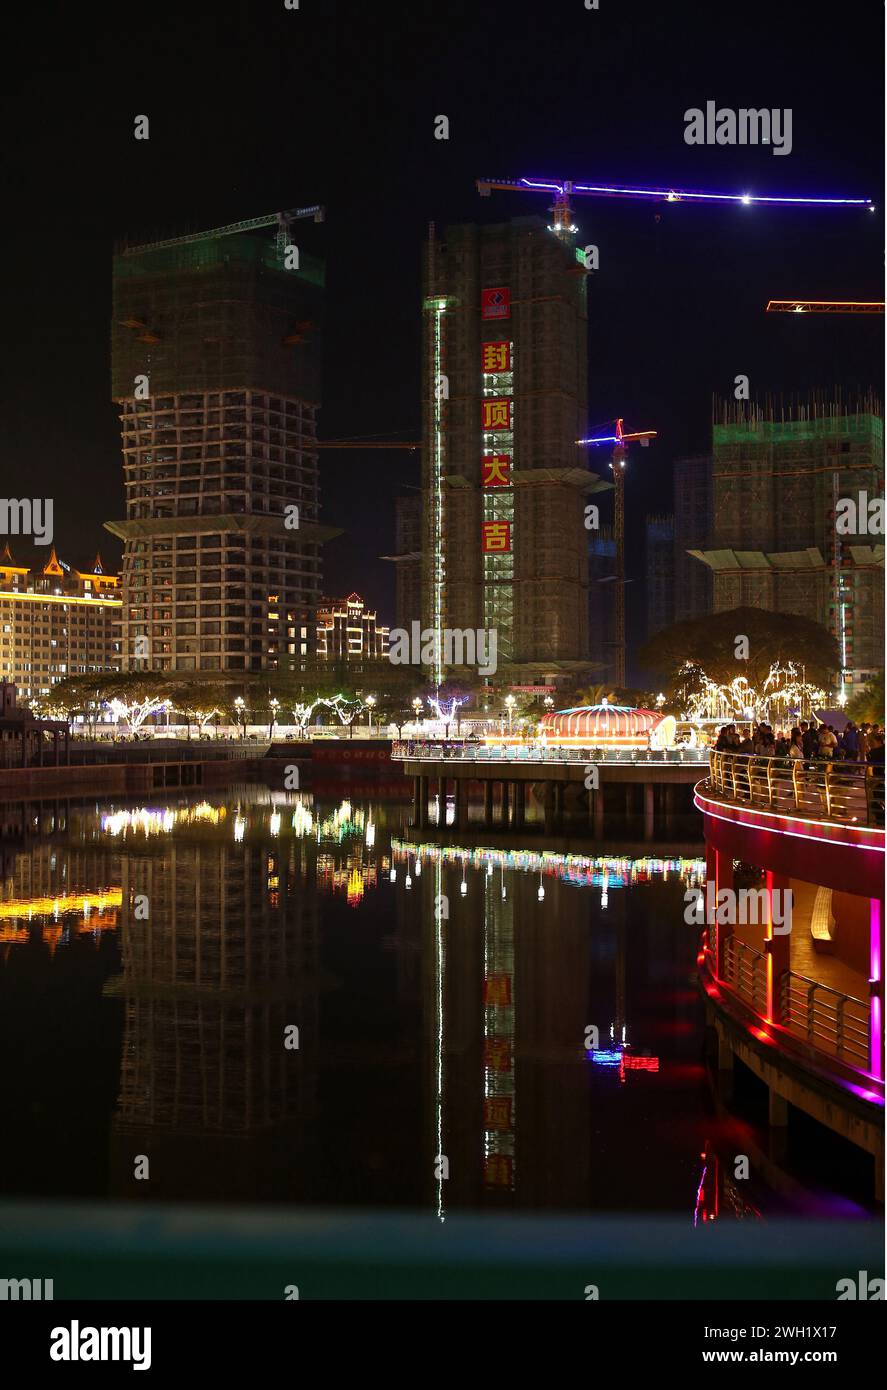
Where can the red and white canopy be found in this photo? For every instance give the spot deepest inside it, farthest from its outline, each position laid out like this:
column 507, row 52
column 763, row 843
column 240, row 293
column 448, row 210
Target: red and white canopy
column 600, row 726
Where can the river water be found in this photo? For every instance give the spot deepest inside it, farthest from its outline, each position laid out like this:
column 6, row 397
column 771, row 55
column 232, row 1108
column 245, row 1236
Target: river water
column 263, row 997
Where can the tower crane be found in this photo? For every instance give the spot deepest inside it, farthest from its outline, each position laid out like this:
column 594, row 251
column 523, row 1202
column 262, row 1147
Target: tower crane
column 825, row 306
column 282, row 220
column 564, row 190
column 619, row 439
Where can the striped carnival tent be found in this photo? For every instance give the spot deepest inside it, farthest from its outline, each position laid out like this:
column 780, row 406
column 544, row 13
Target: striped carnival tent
column 600, row 726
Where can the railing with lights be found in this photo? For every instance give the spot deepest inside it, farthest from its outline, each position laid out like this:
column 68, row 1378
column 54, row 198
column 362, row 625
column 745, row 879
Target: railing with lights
column 418, row 750
column 823, row 789
column 827, row 1019
column 745, row 970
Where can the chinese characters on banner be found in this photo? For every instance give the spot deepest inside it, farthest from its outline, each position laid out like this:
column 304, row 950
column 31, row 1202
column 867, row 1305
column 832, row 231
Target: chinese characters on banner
column 495, row 304
column 496, row 470
column 496, row 414
column 496, row 357
column 497, row 418
column 496, row 537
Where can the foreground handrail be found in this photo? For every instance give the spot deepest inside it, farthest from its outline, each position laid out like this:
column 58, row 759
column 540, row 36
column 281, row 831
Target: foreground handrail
column 837, row 790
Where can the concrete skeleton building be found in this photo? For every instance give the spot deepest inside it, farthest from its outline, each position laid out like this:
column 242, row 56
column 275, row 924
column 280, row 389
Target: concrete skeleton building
column 407, row 559
column 504, row 546
column 56, row 622
column 776, row 486
column 215, row 365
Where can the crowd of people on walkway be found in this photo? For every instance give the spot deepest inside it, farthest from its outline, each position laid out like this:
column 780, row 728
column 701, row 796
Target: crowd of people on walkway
column 812, row 741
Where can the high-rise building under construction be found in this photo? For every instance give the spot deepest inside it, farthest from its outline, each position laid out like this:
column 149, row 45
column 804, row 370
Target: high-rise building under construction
column 215, row 365
column 781, row 481
column 505, row 545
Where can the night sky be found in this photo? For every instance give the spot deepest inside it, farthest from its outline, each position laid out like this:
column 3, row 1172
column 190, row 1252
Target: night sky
column 254, row 107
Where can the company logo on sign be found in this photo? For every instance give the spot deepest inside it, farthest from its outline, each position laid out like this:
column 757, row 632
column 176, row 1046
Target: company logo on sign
column 495, row 304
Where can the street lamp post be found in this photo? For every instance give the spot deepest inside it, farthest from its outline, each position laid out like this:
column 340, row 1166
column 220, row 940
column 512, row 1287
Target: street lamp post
column 509, row 705
column 240, row 706
column 275, row 705
column 370, row 702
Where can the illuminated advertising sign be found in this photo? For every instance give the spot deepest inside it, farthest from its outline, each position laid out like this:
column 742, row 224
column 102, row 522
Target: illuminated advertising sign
column 495, row 304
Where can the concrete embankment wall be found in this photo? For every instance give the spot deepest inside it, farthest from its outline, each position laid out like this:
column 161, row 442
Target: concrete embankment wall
column 124, row 779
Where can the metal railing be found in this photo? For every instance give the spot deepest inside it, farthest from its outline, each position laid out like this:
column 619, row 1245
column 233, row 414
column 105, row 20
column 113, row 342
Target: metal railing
column 825, row 1018
column 745, row 971
column 821, row 788
column 422, row 750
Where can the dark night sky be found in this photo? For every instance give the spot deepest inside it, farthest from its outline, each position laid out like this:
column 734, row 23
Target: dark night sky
column 254, row 107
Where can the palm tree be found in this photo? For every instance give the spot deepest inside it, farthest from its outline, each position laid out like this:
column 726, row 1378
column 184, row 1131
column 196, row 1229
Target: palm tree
column 593, row 694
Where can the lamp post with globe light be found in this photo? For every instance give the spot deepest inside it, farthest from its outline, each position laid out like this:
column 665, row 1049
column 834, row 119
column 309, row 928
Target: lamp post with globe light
column 509, row 705
column 240, row 707
column 370, row 702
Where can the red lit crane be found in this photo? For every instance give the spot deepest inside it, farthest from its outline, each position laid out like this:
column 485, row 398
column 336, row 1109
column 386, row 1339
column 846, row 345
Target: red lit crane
column 825, row 306
column 619, row 439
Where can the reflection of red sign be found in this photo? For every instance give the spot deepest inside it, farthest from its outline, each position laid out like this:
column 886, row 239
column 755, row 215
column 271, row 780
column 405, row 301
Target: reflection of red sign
column 496, row 470
column 495, row 304
column 631, row 1063
column 497, row 1112
column 496, row 415
column 498, row 1170
column 496, row 537
column 497, row 989
column 495, row 357
column 497, row 1054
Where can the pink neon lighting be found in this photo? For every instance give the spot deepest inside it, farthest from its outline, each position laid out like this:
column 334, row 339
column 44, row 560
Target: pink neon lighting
column 703, row 804
column 876, row 1007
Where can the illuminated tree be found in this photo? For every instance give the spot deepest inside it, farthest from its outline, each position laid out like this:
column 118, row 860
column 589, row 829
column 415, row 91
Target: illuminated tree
column 714, row 644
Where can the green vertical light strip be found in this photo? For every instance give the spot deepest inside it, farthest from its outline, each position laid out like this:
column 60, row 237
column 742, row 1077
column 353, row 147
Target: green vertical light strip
column 438, row 580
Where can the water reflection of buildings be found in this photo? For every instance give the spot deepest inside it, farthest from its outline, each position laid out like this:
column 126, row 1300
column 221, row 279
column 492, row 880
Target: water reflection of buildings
column 223, row 963
column 49, row 888
column 511, row 991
